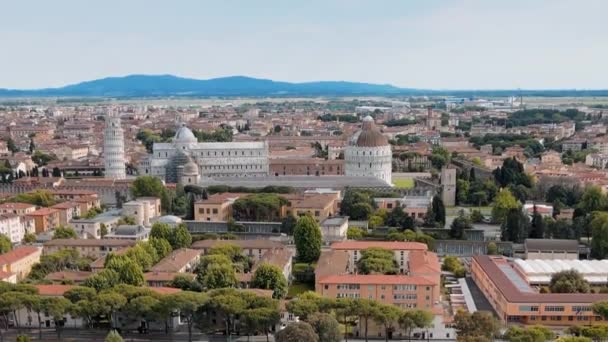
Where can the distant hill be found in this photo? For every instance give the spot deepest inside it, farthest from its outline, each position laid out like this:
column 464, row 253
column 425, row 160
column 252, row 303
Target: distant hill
column 169, row 85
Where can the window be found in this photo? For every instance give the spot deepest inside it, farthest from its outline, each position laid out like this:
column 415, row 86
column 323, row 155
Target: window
column 404, row 287
column 215, row 210
column 528, row 308
column 578, row 308
column 553, row 308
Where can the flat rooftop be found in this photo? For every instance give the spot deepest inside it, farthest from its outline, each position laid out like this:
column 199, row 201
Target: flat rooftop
column 301, row 182
column 537, row 271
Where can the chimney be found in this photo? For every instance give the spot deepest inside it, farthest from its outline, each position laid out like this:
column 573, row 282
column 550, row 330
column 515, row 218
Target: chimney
column 429, row 112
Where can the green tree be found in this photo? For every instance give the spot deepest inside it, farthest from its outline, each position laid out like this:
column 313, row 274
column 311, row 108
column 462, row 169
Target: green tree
column 103, row 230
column 5, row 244
column 599, row 234
column 593, row 199
column 437, row 212
column 102, row 280
column 62, row 232
column 411, row 319
column 10, row 144
column 128, row 270
column 57, row 308
column 27, row 239
column 492, row 249
column 113, row 336
column 142, row 308
column 161, row 231
column 568, row 281
column 299, row 331
column 307, row 304
column 288, row 225
column 601, row 309
column 308, row 240
column 377, row 261
column 386, row 316
column 459, row 225
column 479, row 326
column 355, row 233
column 218, row 276
column 534, row 333
column 365, row 309
column 79, row 293
column 537, row 226
column 162, row 246
column 270, row 277
column 326, row 327
column 515, row 227
column 357, row 204
column 503, row 202
column 180, row 237
column 110, row 302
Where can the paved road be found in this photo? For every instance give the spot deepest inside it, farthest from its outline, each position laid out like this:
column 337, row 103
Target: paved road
column 72, row 335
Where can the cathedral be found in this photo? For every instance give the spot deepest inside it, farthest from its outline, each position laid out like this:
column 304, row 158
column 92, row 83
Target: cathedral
column 186, row 161
column 368, row 153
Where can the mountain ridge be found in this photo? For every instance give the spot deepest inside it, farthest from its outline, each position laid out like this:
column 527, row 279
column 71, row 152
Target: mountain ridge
column 166, row 85
column 170, row 85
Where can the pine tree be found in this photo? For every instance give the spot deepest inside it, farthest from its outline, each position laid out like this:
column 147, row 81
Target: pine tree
column 537, row 227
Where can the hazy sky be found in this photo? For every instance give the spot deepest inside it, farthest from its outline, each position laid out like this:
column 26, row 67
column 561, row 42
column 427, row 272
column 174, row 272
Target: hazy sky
column 409, row 43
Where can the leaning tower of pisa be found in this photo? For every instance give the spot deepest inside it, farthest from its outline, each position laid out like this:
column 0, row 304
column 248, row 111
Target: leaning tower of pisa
column 114, row 147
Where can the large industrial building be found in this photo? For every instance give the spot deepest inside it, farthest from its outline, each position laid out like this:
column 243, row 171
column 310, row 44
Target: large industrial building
column 539, row 272
column 517, row 302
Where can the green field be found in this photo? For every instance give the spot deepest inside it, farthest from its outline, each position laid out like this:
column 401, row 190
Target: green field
column 404, row 183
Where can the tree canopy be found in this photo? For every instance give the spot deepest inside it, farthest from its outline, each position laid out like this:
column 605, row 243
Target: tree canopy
column 308, row 239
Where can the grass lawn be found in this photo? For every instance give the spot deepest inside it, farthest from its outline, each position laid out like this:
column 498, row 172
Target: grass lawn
column 404, row 183
column 296, row 288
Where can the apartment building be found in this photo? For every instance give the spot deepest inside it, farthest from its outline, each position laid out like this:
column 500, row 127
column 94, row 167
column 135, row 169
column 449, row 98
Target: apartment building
column 142, row 209
column 17, row 208
column 401, row 250
column 67, row 211
column 45, row 219
column 516, row 302
column 94, row 248
column 12, row 227
column 19, row 261
column 178, row 261
column 400, row 290
column 251, row 248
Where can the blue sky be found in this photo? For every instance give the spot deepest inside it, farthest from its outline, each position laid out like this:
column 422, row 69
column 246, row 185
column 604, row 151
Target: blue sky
column 450, row 44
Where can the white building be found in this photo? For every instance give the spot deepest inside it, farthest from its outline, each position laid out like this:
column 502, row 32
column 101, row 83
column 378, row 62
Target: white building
column 12, row 227
column 368, row 153
column 597, row 160
column 114, row 148
column 143, row 209
column 214, row 159
column 334, row 228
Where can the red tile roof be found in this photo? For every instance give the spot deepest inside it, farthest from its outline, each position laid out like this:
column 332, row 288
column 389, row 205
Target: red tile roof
column 392, row 245
column 513, row 295
column 53, row 290
column 17, row 254
column 16, row 205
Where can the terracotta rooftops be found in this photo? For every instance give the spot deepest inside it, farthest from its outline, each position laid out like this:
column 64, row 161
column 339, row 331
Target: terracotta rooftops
column 17, row 254
column 16, row 206
column 489, row 265
column 392, row 245
column 175, row 261
column 89, row 242
column 53, row 290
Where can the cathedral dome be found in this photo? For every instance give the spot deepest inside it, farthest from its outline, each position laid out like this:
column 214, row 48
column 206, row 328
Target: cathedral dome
column 184, row 135
column 369, row 135
column 190, row 168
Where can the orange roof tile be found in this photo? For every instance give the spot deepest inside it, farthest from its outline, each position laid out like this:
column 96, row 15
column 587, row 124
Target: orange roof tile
column 53, row 290
column 17, row 254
